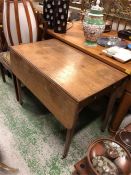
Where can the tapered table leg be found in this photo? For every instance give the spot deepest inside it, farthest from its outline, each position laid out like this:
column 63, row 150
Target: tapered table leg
column 125, row 104
column 2, row 73
column 19, row 90
column 15, row 86
column 69, row 136
column 114, row 95
column 110, row 105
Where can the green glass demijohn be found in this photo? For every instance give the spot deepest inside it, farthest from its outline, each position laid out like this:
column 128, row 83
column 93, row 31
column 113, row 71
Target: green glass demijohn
column 93, row 23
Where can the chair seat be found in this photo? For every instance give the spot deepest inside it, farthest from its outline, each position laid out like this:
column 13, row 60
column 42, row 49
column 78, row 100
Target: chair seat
column 5, row 59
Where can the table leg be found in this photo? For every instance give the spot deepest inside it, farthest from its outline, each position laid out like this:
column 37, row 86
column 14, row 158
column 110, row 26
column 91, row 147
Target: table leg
column 15, row 85
column 114, row 95
column 2, row 72
column 125, row 104
column 110, row 105
column 70, row 133
column 69, row 136
column 19, row 90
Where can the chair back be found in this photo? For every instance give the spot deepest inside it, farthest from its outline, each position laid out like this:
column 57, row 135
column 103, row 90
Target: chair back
column 19, row 22
column 118, row 23
column 1, row 7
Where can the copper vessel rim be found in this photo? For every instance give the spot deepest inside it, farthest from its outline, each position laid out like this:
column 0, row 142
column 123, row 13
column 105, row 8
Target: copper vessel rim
column 100, row 140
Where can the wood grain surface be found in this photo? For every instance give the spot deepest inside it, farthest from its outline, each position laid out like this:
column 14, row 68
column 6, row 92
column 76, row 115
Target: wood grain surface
column 78, row 74
column 75, row 37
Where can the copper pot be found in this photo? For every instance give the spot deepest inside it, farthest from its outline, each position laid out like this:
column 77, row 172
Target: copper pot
column 98, row 149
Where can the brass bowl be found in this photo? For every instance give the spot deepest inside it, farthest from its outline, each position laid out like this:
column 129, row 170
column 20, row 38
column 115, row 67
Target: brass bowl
column 106, row 156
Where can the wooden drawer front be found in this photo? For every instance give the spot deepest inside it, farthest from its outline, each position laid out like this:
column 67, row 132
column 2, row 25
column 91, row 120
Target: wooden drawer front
column 52, row 96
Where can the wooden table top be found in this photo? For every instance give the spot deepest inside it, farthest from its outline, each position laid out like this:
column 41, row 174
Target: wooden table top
column 75, row 37
column 77, row 73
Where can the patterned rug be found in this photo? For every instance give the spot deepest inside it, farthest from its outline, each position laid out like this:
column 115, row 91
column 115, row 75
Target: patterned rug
column 33, row 140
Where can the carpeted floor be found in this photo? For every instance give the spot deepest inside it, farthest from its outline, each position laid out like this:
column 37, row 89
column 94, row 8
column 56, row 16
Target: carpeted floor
column 32, row 140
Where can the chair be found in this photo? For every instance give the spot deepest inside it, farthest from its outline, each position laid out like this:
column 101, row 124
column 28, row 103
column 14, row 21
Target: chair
column 1, row 4
column 21, row 24
column 118, row 23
